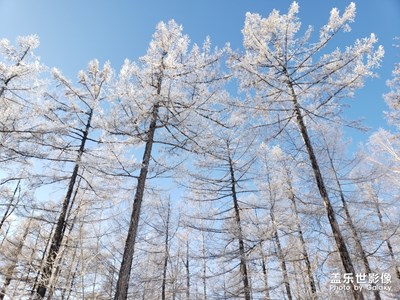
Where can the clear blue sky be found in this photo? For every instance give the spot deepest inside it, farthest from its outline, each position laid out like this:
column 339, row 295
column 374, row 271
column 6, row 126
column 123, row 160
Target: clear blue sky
column 73, row 32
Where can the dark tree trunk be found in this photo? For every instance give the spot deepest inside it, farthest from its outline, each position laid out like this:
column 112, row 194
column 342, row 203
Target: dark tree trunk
column 303, row 243
column 353, row 229
column 388, row 243
column 275, row 236
column 121, row 292
column 166, row 253
column 281, row 256
column 204, row 266
column 57, row 269
column 70, row 276
column 265, row 273
column 242, row 251
column 38, row 272
column 340, row 243
column 61, row 221
column 187, row 267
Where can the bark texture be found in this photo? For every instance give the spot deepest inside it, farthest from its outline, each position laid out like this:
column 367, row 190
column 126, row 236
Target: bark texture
column 242, row 251
column 125, row 270
column 62, row 218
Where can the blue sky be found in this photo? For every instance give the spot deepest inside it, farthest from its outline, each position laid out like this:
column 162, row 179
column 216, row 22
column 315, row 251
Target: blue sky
column 75, row 31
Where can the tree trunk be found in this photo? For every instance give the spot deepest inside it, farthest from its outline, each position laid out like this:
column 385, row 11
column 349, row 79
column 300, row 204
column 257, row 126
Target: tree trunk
column 27, row 279
column 166, row 253
column 42, row 260
column 353, row 229
column 265, row 273
column 275, row 236
column 72, row 282
column 388, row 244
column 204, row 267
column 54, row 276
column 187, row 271
column 61, row 222
column 242, row 252
column 121, row 292
column 292, row 197
column 281, row 257
column 70, row 276
column 340, row 243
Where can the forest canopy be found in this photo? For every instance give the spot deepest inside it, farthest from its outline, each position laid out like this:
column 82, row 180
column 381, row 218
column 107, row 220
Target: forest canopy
column 201, row 172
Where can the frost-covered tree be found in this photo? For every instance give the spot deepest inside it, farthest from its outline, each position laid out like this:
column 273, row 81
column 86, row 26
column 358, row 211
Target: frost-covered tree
column 283, row 169
column 20, row 88
column 73, row 147
column 247, row 176
column 218, row 184
column 385, row 144
column 163, row 100
column 393, row 97
column 14, row 259
column 19, row 82
column 384, row 156
column 338, row 168
column 270, row 182
column 294, row 82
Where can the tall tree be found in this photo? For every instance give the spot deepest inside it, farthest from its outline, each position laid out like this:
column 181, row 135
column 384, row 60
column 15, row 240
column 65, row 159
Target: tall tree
column 287, row 167
column 163, row 96
column 220, row 180
column 332, row 145
column 76, row 113
column 269, row 188
column 384, row 153
column 373, row 194
column 296, row 82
